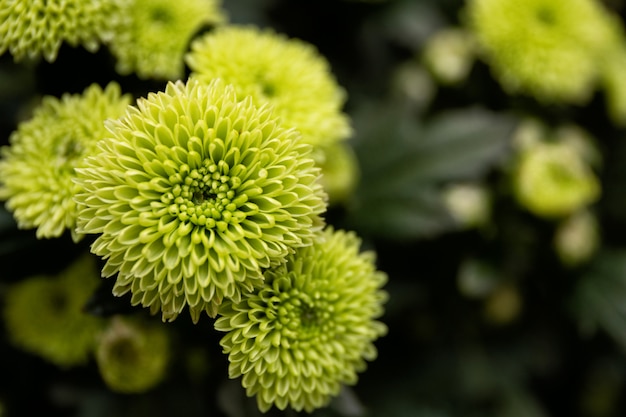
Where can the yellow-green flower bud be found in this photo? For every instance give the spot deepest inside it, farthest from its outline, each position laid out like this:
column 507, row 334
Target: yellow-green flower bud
column 132, row 356
column 554, row 180
column 44, row 314
column 449, row 55
column 469, row 204
column 154, row 41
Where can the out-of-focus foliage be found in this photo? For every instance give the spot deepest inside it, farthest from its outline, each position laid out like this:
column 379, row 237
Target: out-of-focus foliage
column 499, row 304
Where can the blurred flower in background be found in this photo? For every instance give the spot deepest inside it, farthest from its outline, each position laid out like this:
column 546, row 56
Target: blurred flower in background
column 540, row 47
column 31, row 29
column 44, row 314
column 132, row 356
column 158, row 33
column 37, row 170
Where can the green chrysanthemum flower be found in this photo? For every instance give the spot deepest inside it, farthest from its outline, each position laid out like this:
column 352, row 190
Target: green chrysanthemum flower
column 311, row 326
column 288, row 73
column 154, row 43
column 44, row 315
column 550, row 49
column 38, row 27
column 193, row 194
column 37, row 169
column 552, row 179
column 132, row 356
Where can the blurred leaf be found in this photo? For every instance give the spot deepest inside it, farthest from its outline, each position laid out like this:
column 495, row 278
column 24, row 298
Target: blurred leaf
column 599, row 300
column 404, row 163
column 410, row 22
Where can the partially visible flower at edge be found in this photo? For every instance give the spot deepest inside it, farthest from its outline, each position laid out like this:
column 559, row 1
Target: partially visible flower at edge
column 540, row 47
column 156, row 38
column 132, row 354
column 272, row 68
column 310, row 328
column 37, row 169
column 44, row 315
column 193, row 193
column 37, row 27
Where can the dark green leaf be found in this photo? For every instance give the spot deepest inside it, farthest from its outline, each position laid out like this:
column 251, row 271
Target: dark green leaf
column 405, row 162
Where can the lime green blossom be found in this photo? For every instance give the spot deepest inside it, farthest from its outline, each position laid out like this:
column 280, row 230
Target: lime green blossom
column 44, row 314
column 288, row 73
column 193, row 194
column 551, row 49
column 133, row 356
column 310, row 328
column 32, row 28
column 158, row 34
column 38, row 168
column 553, row 179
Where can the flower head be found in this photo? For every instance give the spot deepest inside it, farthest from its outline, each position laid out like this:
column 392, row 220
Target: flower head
column 37, row 169
column 311, row 326
column 550, row 49
column 132, row 356
column 552, row 179
column 288, row 73
column 193, row 193
column 154, row 42
column 44, row 314
column 38, row 27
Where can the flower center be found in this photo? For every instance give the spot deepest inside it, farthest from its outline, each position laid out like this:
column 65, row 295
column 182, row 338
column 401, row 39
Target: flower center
column 205, row 196
column 68, row 150
column 160, row 14
column 124, row 350
column 546, row 16
column 302, row 317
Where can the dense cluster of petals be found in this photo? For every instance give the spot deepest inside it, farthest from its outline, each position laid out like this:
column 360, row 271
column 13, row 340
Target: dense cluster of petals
column 551, row 49
column 193, row 194
column 288, row 73
column 310, row 328
column 32, row 28
column 156, row 37
column 38, row 168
